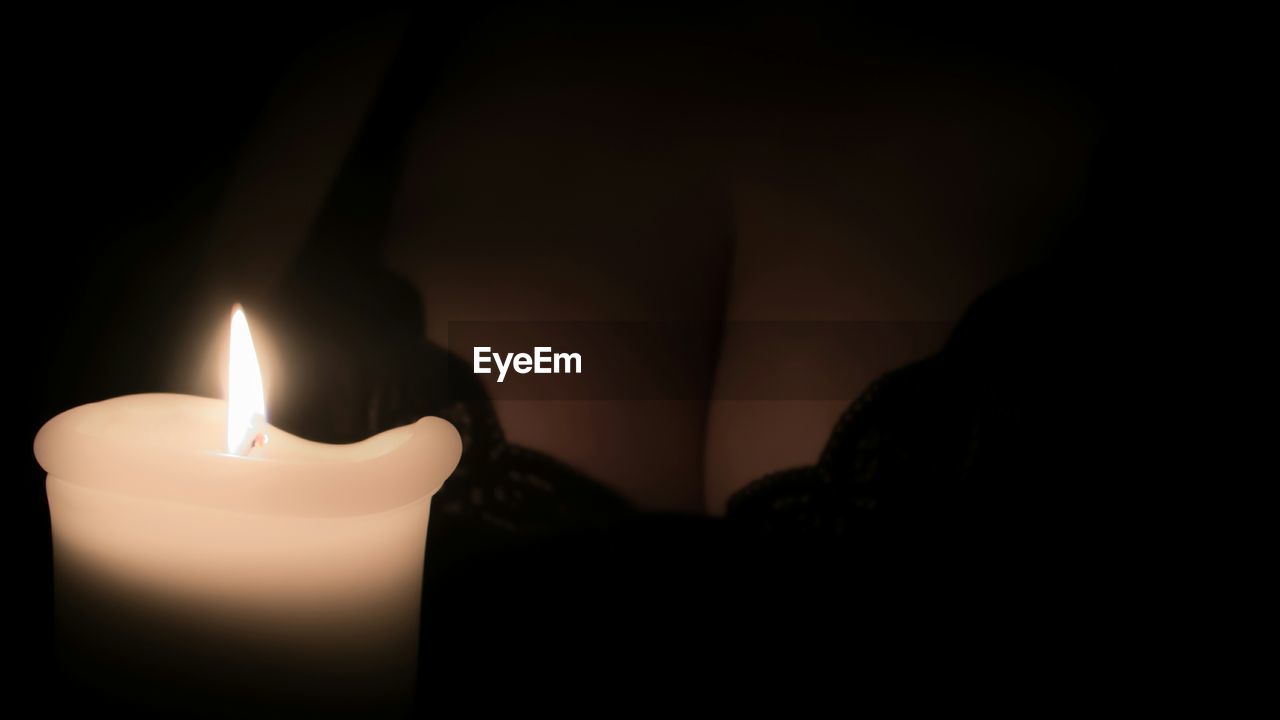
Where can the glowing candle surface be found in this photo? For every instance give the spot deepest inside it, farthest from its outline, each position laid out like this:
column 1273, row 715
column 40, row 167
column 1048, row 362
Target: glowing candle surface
column 204, row 557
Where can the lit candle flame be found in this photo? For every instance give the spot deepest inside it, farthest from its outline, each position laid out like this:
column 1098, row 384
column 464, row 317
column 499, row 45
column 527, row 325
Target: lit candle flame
column 246, row 406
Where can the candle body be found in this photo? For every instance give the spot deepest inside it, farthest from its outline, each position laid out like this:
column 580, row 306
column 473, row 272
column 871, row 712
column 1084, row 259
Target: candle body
column 193, row 588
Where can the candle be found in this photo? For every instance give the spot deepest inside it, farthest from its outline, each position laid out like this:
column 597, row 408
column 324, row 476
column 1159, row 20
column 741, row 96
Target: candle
column 203, row 558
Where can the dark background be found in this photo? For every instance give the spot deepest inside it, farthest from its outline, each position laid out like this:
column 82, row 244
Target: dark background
column 130, row 122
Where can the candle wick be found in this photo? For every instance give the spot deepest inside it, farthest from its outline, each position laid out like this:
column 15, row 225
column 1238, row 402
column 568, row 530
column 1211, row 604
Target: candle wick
column 257, row 439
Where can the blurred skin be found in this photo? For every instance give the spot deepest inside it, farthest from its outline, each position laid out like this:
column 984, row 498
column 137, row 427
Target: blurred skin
column 579, row 178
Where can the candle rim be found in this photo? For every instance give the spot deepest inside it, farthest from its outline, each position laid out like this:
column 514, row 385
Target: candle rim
column 388, row 470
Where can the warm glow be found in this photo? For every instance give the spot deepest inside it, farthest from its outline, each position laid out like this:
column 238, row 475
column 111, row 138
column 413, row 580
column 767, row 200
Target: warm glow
column 246, row 406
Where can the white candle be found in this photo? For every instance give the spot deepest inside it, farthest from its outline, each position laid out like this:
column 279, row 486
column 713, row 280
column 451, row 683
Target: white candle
column 287, row 578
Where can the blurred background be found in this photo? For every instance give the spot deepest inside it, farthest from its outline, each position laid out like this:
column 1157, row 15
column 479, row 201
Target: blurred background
column 950, row 202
